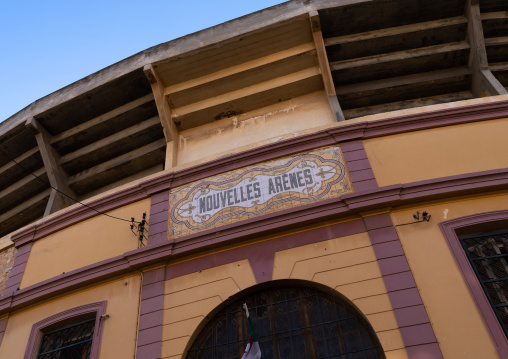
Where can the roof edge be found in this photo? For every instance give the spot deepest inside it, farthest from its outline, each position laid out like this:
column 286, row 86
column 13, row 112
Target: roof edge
column 209, row 36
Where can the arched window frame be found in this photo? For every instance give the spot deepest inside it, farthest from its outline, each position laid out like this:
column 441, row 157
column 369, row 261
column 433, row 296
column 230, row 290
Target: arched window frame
column 451, row 230
column 39, row 328
column 271, row 285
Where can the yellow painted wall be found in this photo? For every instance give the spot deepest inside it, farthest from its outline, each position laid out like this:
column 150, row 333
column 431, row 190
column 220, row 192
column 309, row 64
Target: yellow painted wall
column 119, row 331
column 188, row 299
column 439, row 152
column 456, row 321
column 347, row 264
column 84, row 243
column 258, row 127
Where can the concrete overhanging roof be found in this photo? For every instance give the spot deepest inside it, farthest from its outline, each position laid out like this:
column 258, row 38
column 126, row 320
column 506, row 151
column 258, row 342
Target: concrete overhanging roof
column 213, row 35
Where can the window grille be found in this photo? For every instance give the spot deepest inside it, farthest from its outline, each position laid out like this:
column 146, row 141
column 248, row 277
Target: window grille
column 295, row 322
column 488, row 255
column 71, row 342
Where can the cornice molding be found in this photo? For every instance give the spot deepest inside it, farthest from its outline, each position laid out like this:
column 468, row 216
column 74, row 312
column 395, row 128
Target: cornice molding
column 348, row 205
column 339, row 134
column 44, row 227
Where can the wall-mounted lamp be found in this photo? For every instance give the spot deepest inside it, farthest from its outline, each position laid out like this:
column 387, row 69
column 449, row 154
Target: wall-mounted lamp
column 425, row 216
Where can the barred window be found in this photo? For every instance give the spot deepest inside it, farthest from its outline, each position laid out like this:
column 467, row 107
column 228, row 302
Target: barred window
column 488, row 255
column 293, row 322
column 71, row 334
column 73, row 341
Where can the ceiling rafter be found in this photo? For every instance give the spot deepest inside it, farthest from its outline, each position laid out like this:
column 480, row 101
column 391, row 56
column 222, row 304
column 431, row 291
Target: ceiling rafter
column 109, row 140
column 325, row 66
column 170, row 129
column 482, row 78
column 102, row 118
column 62, row 195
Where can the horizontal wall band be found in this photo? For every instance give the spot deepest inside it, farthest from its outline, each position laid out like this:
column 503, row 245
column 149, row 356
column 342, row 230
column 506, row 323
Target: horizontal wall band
column 344, row 206
column 339, row 134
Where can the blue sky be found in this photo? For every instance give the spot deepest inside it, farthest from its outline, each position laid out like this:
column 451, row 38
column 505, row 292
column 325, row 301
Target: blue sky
column 47, row 45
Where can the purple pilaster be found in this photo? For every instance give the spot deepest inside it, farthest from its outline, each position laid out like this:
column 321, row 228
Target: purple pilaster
column 358, row 165
column 150, row 316
column 410, row 313
column 18, row 269
column 158, row 228
column 3, row 325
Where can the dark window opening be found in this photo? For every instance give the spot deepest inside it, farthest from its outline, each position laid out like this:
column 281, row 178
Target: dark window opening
column 488, row 255
column 71, row 342
column 294, row 322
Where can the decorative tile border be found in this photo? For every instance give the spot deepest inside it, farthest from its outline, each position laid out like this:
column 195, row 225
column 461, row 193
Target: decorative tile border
column 411, row 316
column 248, row 192
column 449, row 229
column 150, row 316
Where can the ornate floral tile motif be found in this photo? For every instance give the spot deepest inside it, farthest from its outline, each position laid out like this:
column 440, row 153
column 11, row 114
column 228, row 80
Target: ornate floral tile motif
column 256, row 190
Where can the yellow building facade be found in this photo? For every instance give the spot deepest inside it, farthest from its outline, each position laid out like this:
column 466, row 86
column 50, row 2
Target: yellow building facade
column 351, row 231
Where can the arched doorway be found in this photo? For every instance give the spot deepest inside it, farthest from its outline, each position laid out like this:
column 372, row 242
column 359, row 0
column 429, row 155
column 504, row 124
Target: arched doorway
column 293, row 320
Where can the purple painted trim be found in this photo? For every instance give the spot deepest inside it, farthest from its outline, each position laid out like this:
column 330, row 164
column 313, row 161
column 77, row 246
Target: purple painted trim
column 97, row 308
column 358, row 165
column 3, row 325
column 418, row 335
column 260, row 255
column 341, row 134
column 253, row 228
column 262, row 265
column 78, row 213
column 429, row 189
column 158, row 229
column 412, row 319
column 149, row 343
column 405, row 298
column 425, row 351
column 398, row 281
column 449, row 116
column 411, row 315
column 17, row 270
column 449, row 229
column 365, row 185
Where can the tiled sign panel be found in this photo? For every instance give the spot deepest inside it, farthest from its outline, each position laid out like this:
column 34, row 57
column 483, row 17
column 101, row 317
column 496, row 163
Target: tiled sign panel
column 258, row 190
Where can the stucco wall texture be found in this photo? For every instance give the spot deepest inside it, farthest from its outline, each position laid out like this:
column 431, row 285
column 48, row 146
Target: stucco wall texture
column 119, row 330
column 438, row 152
column 7, row 255
column 85, row 243
column 347, row 264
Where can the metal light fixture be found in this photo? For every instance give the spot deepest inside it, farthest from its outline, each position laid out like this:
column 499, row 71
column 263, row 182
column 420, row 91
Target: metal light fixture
column 425, row 216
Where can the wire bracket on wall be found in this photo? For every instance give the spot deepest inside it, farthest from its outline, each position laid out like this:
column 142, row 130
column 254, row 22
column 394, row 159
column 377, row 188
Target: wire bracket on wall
column 425, row 216
column 140, row 229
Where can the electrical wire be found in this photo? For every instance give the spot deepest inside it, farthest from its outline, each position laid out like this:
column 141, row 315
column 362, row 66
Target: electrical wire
column 62, row 193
